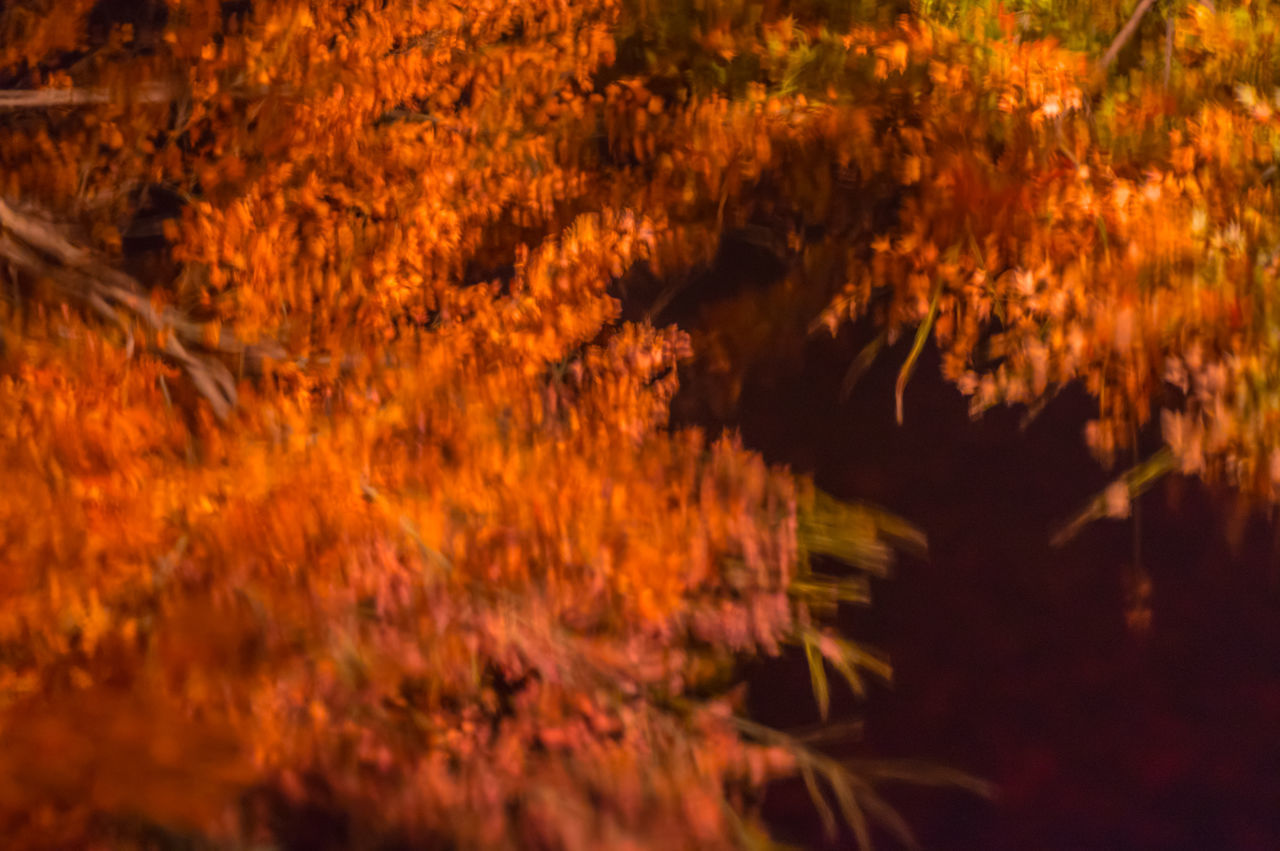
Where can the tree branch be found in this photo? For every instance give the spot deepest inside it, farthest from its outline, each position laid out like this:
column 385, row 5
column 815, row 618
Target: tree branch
column 1122, row 37
column 38, row 249
column 14, row 99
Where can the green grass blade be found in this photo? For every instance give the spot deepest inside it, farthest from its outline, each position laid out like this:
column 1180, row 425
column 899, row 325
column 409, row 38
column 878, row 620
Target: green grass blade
column 922, row 337
column 817, row 675
column 1137, row 480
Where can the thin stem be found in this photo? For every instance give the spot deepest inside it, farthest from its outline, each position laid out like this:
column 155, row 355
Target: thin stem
column 14, row 99
column 1122, row 37
column 35, row 246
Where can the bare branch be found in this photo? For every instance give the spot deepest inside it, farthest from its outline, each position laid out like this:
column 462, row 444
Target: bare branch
column 37, row 248
column 13, row 99
column 1122, row 37
column 147, row 93
column 42, row 236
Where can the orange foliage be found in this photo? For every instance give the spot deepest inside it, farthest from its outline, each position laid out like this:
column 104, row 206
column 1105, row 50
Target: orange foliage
column 1115, row 232
column 367, row 475
column 443, row 566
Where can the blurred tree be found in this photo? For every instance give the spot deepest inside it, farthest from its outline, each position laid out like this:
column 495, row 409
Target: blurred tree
column 334, row 481
column 327, row 437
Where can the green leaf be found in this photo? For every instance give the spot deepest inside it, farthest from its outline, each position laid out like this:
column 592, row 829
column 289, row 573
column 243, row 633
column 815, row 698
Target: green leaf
column 922, row 337
column 817, row 674
column 1136, row 480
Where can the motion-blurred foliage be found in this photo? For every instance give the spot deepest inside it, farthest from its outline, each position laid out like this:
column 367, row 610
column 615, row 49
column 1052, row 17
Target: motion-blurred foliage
column 336, row 482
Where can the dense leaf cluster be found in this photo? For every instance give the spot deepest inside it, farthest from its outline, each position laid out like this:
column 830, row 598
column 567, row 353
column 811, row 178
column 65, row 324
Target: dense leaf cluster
column 334, row 481
column 335, row 474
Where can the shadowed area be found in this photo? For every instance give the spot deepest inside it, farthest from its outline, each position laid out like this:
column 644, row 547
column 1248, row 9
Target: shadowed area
column 1013, row 659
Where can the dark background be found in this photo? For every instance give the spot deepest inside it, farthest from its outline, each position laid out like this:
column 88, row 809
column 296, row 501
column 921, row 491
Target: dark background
column 1013, row 659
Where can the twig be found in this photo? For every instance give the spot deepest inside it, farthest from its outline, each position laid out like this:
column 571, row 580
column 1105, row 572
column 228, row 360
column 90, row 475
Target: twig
column 861, row 364
column 145, row 93
column 42, row 236
column 666, row 296
column 38, row 249
column 208, row 374
column 13, row 99
column 1122, row 37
